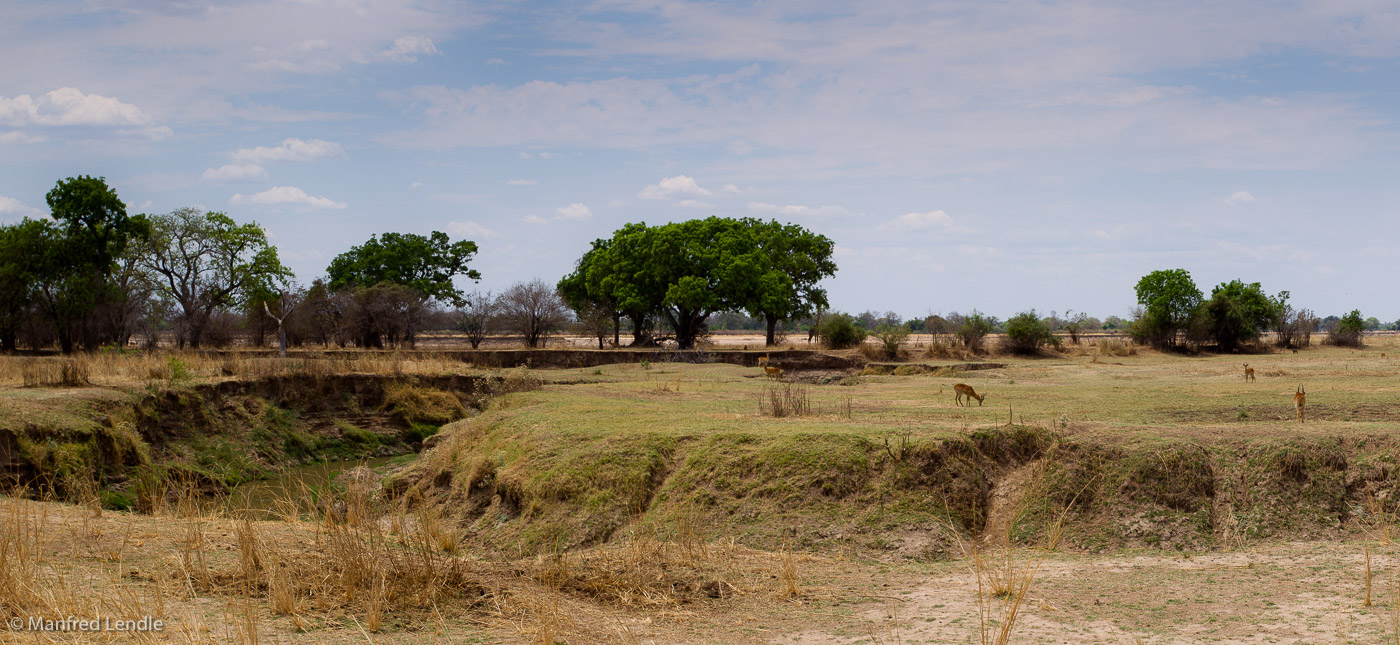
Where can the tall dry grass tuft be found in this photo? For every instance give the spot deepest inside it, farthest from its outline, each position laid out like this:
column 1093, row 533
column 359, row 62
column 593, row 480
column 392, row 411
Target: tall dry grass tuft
column 784, row 400
column 1002, row 587
column 48, row 372
column 787, row 574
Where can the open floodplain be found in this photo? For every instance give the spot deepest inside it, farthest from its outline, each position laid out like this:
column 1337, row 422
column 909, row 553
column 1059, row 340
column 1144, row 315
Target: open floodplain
column 1103, row 494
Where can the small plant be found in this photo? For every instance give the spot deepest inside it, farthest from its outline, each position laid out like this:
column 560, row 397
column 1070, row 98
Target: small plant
column 646, row 364
column 784, row 400
column 176, row 370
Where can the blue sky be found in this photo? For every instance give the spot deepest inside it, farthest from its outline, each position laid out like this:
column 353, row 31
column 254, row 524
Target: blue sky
column 990, row 155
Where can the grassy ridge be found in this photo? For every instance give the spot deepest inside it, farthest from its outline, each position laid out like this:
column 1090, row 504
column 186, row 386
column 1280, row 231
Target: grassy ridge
column 1154, row 450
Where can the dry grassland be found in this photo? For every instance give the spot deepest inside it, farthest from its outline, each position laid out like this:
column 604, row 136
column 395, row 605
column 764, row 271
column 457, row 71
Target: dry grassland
column 680, row 503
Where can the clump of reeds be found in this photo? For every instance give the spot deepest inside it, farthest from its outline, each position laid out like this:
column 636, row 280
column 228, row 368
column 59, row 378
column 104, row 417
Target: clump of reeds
column 784, row 400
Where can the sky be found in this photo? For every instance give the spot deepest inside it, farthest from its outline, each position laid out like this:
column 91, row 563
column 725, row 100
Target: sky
column 997, row 155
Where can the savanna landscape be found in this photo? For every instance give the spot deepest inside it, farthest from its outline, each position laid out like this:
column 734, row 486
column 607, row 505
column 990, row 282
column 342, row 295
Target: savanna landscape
column 1104, row 492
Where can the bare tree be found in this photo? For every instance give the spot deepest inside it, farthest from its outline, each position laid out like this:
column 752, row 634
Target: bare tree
column 533, row 309
column 595, row 321
column 477, row 317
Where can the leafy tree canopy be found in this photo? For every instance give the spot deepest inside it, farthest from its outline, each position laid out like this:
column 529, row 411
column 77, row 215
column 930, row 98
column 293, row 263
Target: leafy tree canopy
column 1170, row 299
column 1239, row 313
column 424, row 264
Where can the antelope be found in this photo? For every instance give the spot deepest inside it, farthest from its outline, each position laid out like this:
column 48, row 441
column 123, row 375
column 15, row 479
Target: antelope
column 1300, row 398
column 1248, row 373
column 773, row 372
column 763, row 360
column 965, row 390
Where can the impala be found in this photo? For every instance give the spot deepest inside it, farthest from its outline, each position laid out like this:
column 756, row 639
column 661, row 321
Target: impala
column 1248, row 373
column 773, row 372
column 1300, row 399
column 965, row 390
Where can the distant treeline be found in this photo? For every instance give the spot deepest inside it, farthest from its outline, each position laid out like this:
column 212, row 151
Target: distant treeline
column 92, row 276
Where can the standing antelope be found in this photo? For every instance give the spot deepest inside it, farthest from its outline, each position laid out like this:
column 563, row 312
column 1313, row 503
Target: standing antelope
column 773, row 372
column 1248, row 373
column 1300, row 399
column 763, row 360
column 965, row 390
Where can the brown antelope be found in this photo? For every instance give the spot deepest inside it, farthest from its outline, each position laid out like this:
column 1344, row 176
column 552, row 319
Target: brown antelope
column 965, row 390
column 1248, row 373
column 1300, row 399
column 773, row 372
column 763, row 360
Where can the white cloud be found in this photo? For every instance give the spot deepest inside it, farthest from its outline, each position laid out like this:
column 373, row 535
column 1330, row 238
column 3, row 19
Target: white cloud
column 12, row 207
column 415, row 185
column 289, row 195
column 495, row 61
column 918, row 221
column 469, row 229
column 730, row 188
column 406, row 49
column 1241, row 197
column 693, row 203
column 533, row 219
column 235, row 173
column 522, row 182
column 290, row 150
column 796, row 210
column 575, row 211
column 672, row 187
column 68, row 106
column 15, row 136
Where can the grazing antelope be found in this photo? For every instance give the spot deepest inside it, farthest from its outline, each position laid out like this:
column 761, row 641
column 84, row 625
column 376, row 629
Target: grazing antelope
column 1248, row 373
column 965, row 390
column 773, row 372
column 1300, row 399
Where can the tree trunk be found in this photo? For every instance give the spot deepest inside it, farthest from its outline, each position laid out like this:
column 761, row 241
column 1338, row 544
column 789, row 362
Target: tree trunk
column 772, row 329
column 617, row 329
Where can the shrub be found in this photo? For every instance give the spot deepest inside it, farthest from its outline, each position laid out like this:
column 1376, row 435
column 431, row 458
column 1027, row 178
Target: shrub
column 891, row 335
column 839, row 331
column 1026, row 333
column 974, row 328
column 1347, row 331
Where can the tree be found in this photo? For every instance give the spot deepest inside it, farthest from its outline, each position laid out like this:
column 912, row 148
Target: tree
column 424, row 264
column 974, row 328
column 533, row 309
column 595, row 321
column 791, row 261
column 683, row 272
column 206, row 262
column 16, row 284
column 1075, row 324
column 384, row 314
column 840, row 331
column 1239, row 313
column 73, row 256
column 476, row 316
column 1346, row 332
column 891, row 335
column 1026, row 333
column 1170, row 300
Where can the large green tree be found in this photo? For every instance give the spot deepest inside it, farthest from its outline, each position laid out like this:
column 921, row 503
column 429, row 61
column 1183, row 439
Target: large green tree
column 75, row 256
column 791, row 261
column 1170, row 300
column 683, row 272
column 16, row 282
column 205, row 262
column 425, row 264
column 1239, row 313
